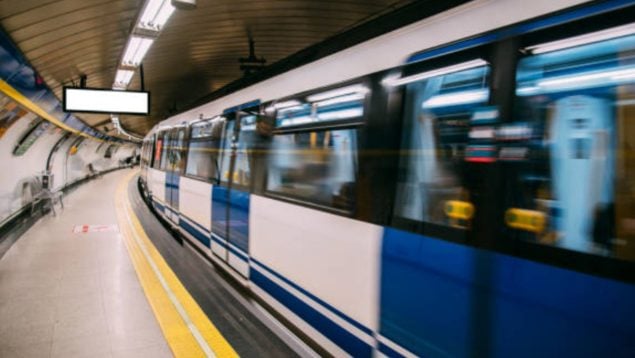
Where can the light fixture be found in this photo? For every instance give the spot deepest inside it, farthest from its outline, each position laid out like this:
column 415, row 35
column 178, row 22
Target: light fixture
column 341, row 99
column 456, row 98
column 396, row 81
column 592, row 37
column 122, row 79
column 357, row 89
column 155, row 15
column 342, row 114
column 286, row 104
column 136, row 49
column 592, row 79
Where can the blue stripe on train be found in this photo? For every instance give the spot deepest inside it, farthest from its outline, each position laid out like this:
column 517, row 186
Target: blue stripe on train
column 389, row 352
column 233, row 249
column 340, row 336
column 337, row 312
column 204, row 239
column 158, row 205
column 444, row 299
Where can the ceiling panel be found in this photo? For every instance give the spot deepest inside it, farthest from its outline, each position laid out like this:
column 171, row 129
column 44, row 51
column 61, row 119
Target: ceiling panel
column 196, row 53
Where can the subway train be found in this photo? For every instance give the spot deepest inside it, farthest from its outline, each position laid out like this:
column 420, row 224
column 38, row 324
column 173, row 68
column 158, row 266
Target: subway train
column 462, row 186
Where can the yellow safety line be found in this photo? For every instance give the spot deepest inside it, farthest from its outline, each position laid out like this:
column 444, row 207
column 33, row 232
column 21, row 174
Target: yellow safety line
column 187, row 329
column 28, row 104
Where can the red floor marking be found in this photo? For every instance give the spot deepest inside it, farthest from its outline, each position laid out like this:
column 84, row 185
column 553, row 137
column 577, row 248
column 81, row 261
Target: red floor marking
column 77, row 229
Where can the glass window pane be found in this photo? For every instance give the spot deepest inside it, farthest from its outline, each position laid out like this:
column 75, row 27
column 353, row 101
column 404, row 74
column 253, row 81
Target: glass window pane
column 317, row 167
column 164, row 150
column 177, row 150
column 580, row 179
column 227, row 145
column 431, row 169
column 158, row 148
column 202, row 160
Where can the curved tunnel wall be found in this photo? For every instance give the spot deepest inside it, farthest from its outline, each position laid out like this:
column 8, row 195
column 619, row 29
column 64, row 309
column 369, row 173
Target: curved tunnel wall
column 20, row 172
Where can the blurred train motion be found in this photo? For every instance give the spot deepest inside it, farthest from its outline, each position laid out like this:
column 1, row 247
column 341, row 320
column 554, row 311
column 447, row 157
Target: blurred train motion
column 478, row 199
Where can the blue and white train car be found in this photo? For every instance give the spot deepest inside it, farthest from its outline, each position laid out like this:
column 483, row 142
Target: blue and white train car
column 462, row 186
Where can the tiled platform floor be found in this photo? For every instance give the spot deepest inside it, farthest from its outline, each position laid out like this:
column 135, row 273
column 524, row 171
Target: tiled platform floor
column 65, row 294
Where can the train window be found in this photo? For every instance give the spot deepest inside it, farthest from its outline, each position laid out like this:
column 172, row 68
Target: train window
column 158, row 149
column 437, row 111
column 227, row 142
column 575, row 187
column 244, row 151
column 164, row 149
column 203, row 150
column 176, row 152
column 317, row 167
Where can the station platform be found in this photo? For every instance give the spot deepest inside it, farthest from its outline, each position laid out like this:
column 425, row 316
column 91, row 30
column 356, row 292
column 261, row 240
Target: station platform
column 105, row 279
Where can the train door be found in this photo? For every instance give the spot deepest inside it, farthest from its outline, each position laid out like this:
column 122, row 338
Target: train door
column 567, row 149
column 230, row 205
column 173, row 173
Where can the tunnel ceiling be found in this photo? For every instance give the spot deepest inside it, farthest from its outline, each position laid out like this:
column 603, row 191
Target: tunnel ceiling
column 196, row 53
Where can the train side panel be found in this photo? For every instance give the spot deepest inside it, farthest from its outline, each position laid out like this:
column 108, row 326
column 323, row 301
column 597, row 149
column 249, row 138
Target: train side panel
column 156, row 184
column 322, row 267
column 445, row 299
column 196, row 210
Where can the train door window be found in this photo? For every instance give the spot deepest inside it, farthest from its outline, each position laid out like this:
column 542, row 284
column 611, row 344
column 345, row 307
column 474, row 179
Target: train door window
column 431, row 184
column 203, row 151
column 158, row 149
column 577, row 188
column 317, row 167
column 176, row 154
column 310, row 160
column 226, row 143
column 164, row 149
column 244, row 151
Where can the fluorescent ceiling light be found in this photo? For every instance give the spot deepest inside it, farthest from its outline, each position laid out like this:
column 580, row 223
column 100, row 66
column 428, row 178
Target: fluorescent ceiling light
column 453, row 99
column 295, row 121
column 135, row 50
column 608, row 34
column 122, row 79
column 341, row 99
column 358, row 89
column 343, row 114
column 155, row 14
column 600, row 78
column 527, row 91
column 434, row 73
column 286, row 104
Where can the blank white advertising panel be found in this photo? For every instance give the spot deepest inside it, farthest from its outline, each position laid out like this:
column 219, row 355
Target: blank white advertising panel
column 106, row 101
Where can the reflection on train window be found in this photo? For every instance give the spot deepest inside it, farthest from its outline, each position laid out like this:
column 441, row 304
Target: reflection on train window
column 578, row 179
column 242, row 168
column 177, row 151
column 432, row 158
column 203, row 151
column 227, row 143
column 164, row 149
column 317, row 167
column 158, row 148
